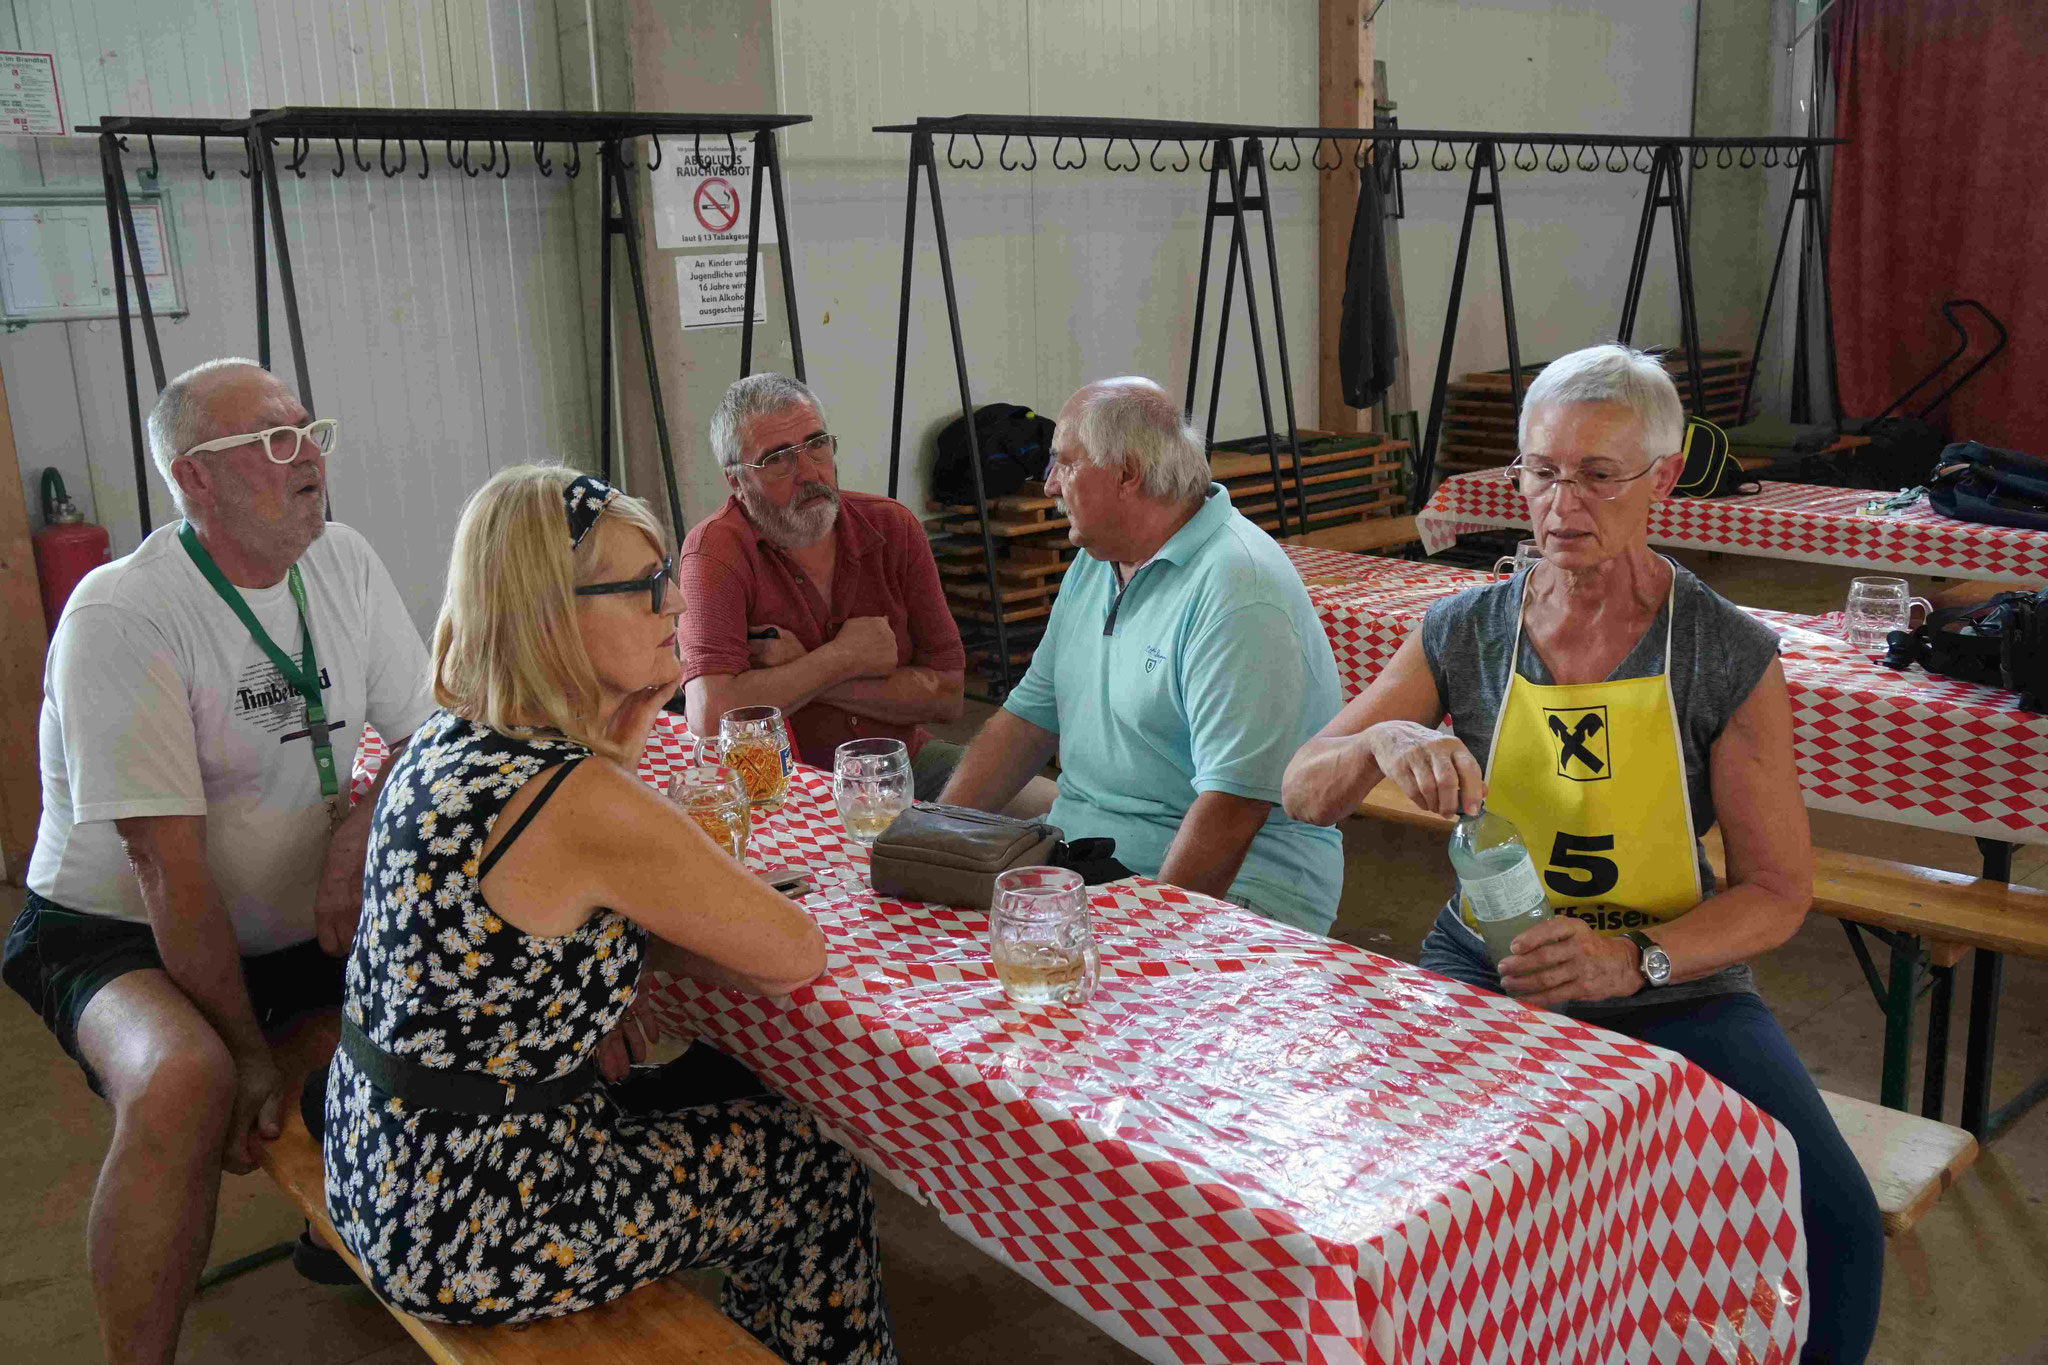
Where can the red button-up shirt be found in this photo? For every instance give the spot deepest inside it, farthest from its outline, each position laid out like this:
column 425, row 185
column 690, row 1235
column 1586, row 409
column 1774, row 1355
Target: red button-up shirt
column 734, row 580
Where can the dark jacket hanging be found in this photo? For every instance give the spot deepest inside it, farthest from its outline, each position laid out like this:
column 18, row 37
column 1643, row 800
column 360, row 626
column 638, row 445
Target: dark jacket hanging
column 1366, row 344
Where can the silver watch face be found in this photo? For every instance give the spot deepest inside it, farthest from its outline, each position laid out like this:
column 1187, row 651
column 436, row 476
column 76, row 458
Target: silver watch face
column 1656, row 965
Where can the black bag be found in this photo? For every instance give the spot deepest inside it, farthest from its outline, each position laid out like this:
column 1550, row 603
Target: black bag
column 1996, row 487
column 2000, row 642
column 1901, row 454
column 1016, row 444
column 1710, row 467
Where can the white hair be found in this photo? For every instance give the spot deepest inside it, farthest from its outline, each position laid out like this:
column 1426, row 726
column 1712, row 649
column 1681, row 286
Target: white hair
column 1613, row 374
column 758, row 395
column 180, row 420
column 1136, row 419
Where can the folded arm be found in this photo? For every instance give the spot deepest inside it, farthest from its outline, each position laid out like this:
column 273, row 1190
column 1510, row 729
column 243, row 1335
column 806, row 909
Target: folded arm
column 909, row 695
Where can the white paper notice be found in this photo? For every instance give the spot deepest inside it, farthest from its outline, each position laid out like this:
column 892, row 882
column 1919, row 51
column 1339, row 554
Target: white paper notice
column 29, row 106
column 712, row 289
column 703, row 193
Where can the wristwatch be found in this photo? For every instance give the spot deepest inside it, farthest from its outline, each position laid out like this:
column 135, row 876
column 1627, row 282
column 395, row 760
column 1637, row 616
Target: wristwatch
column 1653, row 962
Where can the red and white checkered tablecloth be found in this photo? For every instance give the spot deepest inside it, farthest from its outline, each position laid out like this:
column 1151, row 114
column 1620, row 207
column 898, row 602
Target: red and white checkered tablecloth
column 1256, row 1144
column 1784, row 521
column 1908, row 747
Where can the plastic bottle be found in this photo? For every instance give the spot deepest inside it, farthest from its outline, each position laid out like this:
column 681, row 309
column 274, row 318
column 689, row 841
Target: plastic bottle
column 1497, row 878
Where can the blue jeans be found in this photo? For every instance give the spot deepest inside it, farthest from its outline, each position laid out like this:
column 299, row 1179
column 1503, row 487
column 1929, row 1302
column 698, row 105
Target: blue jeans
column 1735, row 1039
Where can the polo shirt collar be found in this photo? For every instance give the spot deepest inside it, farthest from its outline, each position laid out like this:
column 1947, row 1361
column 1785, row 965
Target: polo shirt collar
column 1181, row 546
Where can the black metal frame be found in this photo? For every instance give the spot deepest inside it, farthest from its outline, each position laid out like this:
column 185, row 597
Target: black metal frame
column 498, row 130
column 1228, row 171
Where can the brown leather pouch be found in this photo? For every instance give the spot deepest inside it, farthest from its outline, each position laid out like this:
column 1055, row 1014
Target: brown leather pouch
column 951, row 854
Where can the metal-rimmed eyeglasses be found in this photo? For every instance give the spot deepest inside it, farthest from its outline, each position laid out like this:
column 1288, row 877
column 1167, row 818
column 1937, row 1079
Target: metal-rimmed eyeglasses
column 281, row 444
column 1540, row 478
column 655, row 585
column 780, row 463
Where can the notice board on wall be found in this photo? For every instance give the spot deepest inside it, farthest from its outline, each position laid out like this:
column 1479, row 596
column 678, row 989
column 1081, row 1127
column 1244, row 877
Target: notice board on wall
column 57, row 261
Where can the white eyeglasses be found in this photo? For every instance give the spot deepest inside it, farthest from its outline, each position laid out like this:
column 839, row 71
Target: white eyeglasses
column 281, row 444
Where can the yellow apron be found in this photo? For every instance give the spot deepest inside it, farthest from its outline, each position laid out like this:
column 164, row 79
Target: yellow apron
column 1593, row 776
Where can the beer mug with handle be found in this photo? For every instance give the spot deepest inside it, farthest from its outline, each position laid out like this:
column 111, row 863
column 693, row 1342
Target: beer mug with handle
column 1526, row 554
column 1877, row 607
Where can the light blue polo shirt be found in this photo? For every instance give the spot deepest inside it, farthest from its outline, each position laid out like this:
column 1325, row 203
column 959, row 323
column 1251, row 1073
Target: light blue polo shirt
column 1205, row 673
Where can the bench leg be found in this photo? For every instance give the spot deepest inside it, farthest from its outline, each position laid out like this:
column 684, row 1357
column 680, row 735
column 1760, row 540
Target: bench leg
column 1987, row 980
column 1898, row 1021
column 1940, row 1004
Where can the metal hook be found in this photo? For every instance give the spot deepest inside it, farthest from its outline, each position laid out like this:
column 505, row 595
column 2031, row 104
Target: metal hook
column 1109, row 148
column 1557, row 159
column 154, row 173
column 504, row 166
column 426, row 157
column 1153, row 160
column 1409, row 157
column 1643, row 160
column 653, row 152
column 204, row 169
column 1699, row 158
column 361, row 164
column 1587, row 159
column 732, row 154
column 951, row 160
column 383, row 164
column 1058, row 142
column 301, row 149
column 340, row 161
column 1771, row 157
column 467, row 169
column 573, row 167
column 491, row 146
column 1336, row 156
column 1206, row 158
column 1748, row 158
column 1293, row 157
column 1443, row 157
column 1617, row 159
column 1532, row 163
column 448, row 150
column 540, row 159
column 1724, row 157
column 248, row 160
column 1471, row 153
column 1003, row 156
column 1358, row 151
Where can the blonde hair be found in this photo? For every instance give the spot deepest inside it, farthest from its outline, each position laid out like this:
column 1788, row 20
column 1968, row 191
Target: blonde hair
column 507, row 649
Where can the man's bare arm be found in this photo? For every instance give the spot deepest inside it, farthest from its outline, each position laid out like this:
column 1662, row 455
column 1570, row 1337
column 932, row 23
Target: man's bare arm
column 864, row 648
column 1008, row 752
column 910, row 695
column 1212, row 841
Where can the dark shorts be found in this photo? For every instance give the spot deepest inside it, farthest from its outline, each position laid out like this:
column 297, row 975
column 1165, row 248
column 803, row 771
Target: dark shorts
column 57, row 960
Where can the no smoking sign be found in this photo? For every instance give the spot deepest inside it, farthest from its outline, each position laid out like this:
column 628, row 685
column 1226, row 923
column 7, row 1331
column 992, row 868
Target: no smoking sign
column 703, row 201
column 716, row 205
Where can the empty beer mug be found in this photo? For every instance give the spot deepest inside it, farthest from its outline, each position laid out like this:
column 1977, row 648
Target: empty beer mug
column 1525, row 556
column 1877, row 607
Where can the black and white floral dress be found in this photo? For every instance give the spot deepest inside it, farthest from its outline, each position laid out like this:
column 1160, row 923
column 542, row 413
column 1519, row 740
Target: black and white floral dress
column 461, row 1217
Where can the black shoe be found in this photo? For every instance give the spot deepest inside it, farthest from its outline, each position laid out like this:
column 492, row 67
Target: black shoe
column 319, row 1264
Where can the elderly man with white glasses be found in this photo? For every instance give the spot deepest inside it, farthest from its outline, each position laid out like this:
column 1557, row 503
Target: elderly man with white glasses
column 198, row 873
column 806, row 596
column 1623, row 709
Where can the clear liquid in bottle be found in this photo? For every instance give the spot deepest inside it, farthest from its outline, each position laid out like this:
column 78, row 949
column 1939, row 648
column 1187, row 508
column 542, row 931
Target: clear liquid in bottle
column 1497, row 878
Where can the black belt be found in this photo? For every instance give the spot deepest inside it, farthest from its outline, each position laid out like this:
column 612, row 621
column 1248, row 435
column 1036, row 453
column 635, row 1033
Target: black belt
column 468, row 1092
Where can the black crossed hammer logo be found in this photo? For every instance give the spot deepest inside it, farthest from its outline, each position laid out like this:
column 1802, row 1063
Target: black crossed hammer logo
column 1572, row 742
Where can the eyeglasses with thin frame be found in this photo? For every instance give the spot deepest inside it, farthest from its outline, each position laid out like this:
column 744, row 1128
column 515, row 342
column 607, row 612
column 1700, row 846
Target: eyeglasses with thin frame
column 281, row 444
column 780, row 463
column 1536, row 480
column 655, row 585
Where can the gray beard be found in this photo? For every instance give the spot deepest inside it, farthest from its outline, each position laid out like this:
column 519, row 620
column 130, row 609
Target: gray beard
column 793, row 527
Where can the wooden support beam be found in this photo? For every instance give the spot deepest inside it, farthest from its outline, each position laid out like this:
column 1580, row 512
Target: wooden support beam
column 21, row 666
column 1345, row 101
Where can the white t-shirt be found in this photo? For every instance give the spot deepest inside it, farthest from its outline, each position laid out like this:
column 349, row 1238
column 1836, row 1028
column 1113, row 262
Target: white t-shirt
column 158, row 701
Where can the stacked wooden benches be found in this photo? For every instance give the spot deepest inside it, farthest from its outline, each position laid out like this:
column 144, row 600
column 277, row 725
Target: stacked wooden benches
column 662, row 1323
column 1910, row 1160
column 1479, row 412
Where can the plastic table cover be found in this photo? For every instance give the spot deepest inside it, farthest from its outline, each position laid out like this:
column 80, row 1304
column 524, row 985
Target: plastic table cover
column 1905, row 746
column 1783, row 521
column 1256, row 1144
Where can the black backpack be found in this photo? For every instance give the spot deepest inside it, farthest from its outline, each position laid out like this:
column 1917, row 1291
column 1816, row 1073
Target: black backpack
column 1901, row 453
column 2000, row 642
column 1996, row 487
column 1016, row 444
column 1710, row 467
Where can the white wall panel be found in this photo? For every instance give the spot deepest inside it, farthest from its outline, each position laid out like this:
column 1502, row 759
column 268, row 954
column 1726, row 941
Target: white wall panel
column 443, row 317
column 1063, row 275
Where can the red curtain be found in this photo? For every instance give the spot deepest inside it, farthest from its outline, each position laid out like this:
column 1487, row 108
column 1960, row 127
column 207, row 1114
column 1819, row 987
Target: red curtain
column 1940, row 194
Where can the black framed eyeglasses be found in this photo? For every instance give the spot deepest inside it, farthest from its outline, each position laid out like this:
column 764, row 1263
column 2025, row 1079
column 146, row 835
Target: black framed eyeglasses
column 655, row 585
column 780, row 463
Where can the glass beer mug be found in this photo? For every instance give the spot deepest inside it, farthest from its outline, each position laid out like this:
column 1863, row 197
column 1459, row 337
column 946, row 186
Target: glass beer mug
column 754, row 743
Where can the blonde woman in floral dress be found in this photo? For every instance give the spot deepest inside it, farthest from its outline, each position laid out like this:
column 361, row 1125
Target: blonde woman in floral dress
column 520, row 877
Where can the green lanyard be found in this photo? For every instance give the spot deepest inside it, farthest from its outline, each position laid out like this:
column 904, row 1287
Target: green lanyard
column 303, row 677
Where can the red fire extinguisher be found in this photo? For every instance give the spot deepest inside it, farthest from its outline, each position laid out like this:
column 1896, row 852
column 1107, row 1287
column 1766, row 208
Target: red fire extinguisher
column 67, row 548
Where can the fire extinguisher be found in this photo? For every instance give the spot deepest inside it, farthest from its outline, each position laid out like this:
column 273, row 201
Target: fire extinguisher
column 67, row 548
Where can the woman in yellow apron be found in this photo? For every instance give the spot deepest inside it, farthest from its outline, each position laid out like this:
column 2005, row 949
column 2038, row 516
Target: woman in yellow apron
column 1624, row 709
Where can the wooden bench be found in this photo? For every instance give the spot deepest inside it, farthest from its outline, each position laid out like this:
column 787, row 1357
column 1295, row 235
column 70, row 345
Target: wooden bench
column 664, row 1322
column 1940, row 916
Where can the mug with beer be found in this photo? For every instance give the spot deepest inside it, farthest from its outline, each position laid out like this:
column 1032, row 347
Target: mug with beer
column 754, row 743
column 713, row 795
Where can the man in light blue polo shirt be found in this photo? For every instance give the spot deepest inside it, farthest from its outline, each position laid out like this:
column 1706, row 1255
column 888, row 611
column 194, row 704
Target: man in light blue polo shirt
column 1181, row 668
